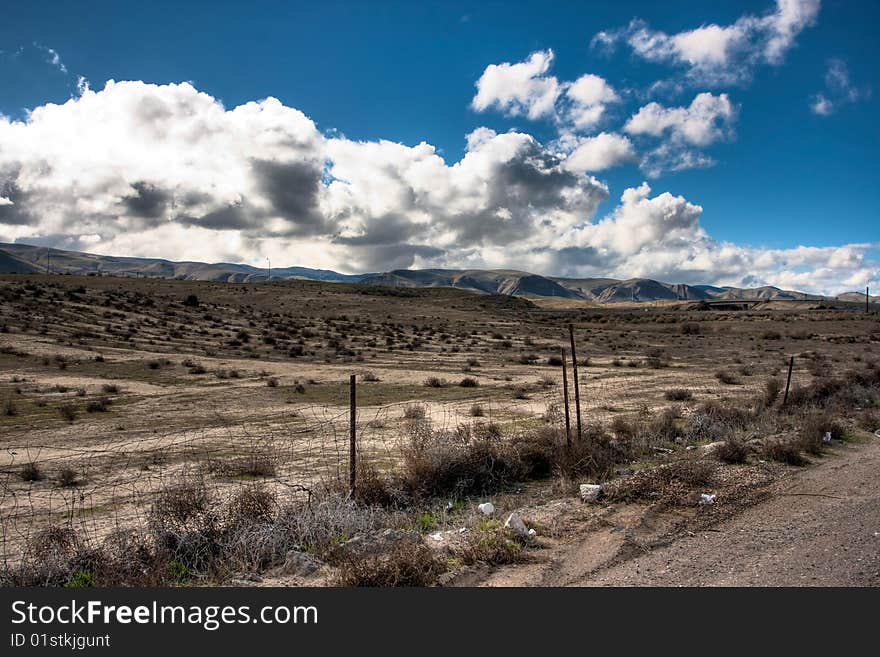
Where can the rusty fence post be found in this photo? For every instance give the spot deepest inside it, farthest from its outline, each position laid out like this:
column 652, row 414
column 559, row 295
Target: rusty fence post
column 352, row 455
column 565, row 397
column 577, row 390
column 788, row 380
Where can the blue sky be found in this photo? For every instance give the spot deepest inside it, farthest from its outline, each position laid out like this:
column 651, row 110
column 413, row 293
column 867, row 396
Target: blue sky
column 791, row 159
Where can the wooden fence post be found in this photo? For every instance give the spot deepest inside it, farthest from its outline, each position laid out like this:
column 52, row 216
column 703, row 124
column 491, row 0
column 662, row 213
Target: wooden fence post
column 577, row 390
column 352, row 456
column 788, row 380
column 565, row 396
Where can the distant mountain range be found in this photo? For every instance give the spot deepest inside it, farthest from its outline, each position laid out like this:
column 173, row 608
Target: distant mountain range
column 26, row 259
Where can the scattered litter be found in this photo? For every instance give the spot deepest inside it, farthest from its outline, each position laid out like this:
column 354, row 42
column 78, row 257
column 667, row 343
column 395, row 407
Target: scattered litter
column 437, row 536
column 449, row 506
column 705, row 498
column 463, row 530
column 678, row 440
column 877, row 433
column 827, row 437
column 516, row 524
column 690, row 448
column 532, row 532
column 590, row 492
column 487, row 509
column 663, row 450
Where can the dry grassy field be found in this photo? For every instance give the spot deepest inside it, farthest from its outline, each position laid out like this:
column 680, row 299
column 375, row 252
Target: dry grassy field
column 174, row 432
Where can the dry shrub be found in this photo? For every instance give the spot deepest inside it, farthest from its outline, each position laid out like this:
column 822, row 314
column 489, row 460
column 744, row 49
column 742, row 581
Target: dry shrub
column 415, row 412
column 30, row 472
column 727, row 378
column 405, row 564
column 259, row 463
column 678, row 394
column 784, row 451
column 771, row 391
column 672, row 483
column 816, row 425
column 732, row 450
column 434, row 464
column 496, row 548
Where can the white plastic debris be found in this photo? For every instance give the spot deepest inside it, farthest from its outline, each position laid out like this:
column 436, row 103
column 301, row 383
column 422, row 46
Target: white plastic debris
column 532, row 532
column 516, row 524
column 437, row 536
column 463, row 530
column 487, row 509
column 590, row 492
column 705, row 498
column 827, row 437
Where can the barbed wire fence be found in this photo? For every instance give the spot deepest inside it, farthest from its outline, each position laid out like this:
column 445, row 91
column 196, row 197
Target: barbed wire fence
column 104, row 486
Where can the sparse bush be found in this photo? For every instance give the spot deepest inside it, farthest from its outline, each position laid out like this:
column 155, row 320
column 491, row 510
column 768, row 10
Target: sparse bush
column 9, row 407
column 110, row 388
column 496, row 548
column 477, row 410
column 690, row 328
column 68, row 412
column 98, row 405
column 816, row 427
column 406, row 564
column 555, row 361
column 784, row 451
column 678, row 394
column 191, row 301
column 469, row 382
column 369, row 377
column 30, row 472
column 66, row 477
column 415, row 412
column 435, row 382
column 727, row 378
column 732, row 450
column 272, row 382
column 771, row 391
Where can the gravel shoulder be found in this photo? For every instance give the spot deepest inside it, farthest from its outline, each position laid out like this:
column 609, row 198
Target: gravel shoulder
column 817, row 526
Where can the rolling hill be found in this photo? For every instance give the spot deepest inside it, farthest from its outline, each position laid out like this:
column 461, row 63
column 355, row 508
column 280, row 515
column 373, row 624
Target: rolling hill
column 25, row 259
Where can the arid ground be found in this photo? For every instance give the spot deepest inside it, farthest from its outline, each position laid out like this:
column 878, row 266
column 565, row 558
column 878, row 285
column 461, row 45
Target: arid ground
column 115, row 391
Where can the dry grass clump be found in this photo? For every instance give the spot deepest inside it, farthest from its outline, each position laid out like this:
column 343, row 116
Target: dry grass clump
column 678, row 394
column 259, row 463
column 496, row 547
column 30, row 471
column 405, row 564
column 784, row 451
column 816, row 426
column 732, row 450
column 674, row 483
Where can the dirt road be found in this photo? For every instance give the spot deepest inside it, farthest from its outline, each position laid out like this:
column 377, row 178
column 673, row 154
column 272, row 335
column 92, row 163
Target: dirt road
column 819, row 526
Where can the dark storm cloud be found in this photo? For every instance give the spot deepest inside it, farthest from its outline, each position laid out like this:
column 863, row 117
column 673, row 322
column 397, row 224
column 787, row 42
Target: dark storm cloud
column 147, row 201
column 17, row 213
column 385, row 257
column 386, row 229
column 292, row 188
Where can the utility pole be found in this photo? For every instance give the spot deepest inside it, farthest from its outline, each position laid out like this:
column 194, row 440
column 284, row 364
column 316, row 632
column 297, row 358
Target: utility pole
column 48, row 255
column 867, row 299
column 270, row 270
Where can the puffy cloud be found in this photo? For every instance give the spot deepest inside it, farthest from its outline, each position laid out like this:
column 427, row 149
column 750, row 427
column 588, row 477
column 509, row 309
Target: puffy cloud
column 705, row 121
column 661, row 237
column 589, row 95
column 167, row 171
column 136, row 166
column 525, row 88
column 839, row 90
column 720, row 54
column 521, row 88
column 603, row 151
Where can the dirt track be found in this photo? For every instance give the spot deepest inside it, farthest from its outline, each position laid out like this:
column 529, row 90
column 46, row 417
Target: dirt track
column 820, row 526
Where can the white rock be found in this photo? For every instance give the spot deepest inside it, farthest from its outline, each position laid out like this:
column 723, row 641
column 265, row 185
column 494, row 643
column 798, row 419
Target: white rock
column 707, row 499
column 487, row 509
column 590, row 492
column 516, row 524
